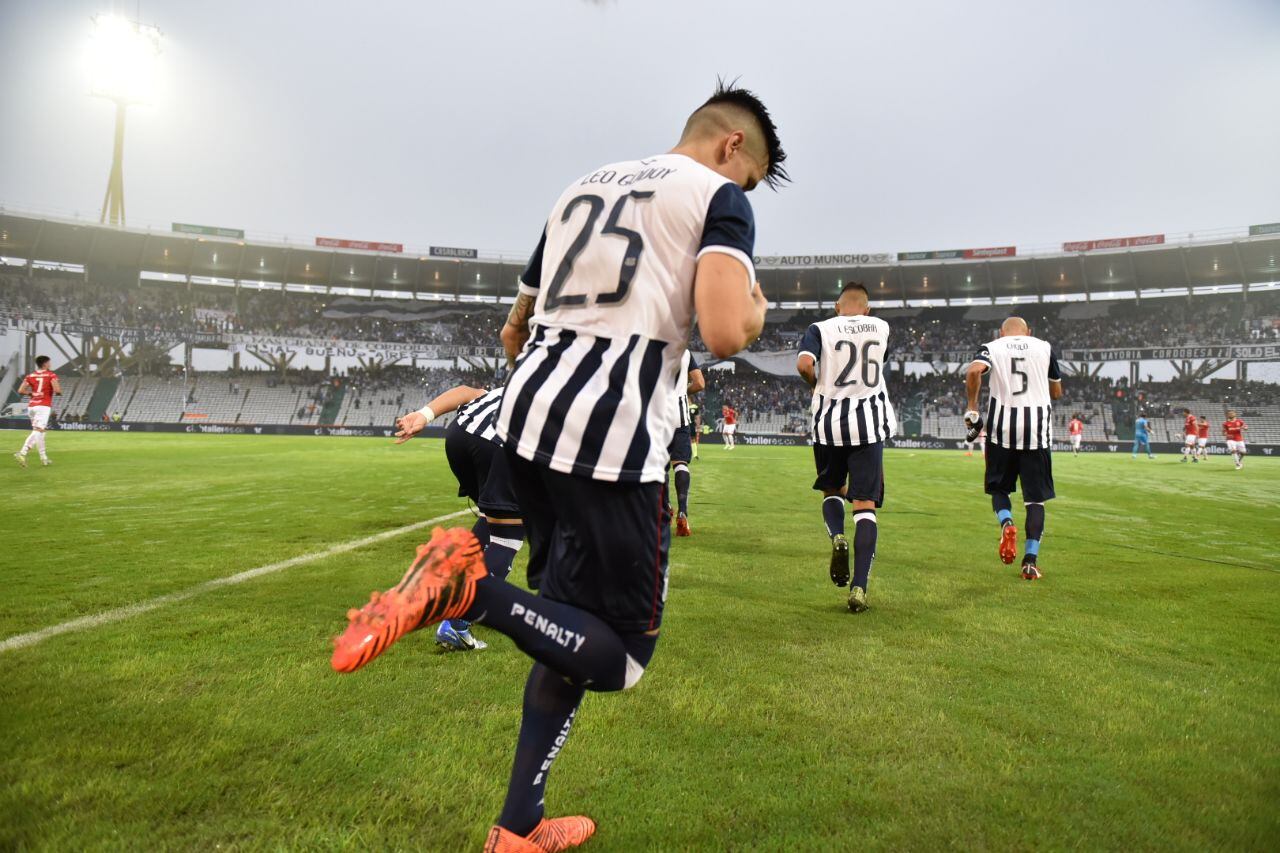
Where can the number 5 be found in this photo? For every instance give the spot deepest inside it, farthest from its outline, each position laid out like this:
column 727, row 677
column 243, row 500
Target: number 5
column 1015, row 363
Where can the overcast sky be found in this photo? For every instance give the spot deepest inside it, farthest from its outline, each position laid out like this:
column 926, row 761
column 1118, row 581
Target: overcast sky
column 910, row 125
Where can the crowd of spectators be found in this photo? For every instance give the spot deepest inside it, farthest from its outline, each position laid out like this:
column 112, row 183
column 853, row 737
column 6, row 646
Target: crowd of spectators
column 170, row 309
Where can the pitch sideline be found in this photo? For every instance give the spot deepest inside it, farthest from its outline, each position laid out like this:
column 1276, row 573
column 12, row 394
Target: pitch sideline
column 19, row 641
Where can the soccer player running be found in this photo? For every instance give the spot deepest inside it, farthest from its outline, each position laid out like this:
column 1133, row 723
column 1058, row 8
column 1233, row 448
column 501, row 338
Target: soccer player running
column 630, row 251
column 1076, row 430
column 730, row 428
column 1024, row 382
column 689, row 381
column 1234, row 429
column 1189, row 435
column 39, row 387
column 1202, row 438
column 850, row 418
column 478, row 463
column 1142, row 437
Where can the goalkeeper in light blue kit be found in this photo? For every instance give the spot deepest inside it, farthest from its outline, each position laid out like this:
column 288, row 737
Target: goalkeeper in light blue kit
column 1141, row 437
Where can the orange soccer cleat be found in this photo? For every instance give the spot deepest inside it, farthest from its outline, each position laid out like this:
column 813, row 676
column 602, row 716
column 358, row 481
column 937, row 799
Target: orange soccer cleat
column 548, row 836
column 440, row 584
column 1008, row 544
column 682, row 525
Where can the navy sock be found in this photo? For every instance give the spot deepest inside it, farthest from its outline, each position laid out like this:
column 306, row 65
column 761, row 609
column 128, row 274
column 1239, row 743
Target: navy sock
column 481, row 530
column 550, row 704
column 1034, row 530
column 573, row 642
column 864, row 545
column 833, row 514
column 682, row 487
column 1003, row 508
column 504, row 541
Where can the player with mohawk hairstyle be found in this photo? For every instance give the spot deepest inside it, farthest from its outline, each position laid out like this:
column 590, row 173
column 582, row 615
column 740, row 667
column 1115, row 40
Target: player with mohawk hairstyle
column 630, row 253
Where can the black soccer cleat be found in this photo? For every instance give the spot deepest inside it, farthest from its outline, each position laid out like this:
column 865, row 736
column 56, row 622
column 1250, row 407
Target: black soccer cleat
column 839, row 560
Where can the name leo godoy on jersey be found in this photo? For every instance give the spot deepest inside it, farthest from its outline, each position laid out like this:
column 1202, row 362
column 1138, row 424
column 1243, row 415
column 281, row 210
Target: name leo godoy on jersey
column 594, row 391
column 850, row 403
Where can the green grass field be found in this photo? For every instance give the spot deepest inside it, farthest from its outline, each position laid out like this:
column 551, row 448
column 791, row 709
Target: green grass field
column 1130, row 700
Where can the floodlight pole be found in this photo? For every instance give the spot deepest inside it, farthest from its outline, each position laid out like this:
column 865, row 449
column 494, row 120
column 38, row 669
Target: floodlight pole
column 113, row 202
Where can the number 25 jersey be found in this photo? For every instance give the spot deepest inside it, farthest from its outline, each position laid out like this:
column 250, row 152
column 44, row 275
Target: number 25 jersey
column 850, row 405
column 594, row 391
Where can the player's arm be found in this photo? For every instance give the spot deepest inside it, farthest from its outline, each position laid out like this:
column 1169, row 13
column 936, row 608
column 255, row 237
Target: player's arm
column 1055, row 376
column 807, row 360
column 57, row 386
column 450, row 401
column 730, row 307
column 728, row 299
column 515, row 332
column 25, row 388
column 697, row 382
column 973, row 387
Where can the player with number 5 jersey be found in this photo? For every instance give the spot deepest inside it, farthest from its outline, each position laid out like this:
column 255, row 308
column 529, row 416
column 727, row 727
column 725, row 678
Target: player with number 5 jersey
column 1024, row 380
column 842, row 358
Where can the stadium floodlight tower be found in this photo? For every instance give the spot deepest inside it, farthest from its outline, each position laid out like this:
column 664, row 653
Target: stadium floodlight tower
column 122, row 64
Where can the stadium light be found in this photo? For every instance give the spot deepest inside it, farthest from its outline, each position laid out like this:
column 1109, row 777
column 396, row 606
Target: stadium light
column 122, row 58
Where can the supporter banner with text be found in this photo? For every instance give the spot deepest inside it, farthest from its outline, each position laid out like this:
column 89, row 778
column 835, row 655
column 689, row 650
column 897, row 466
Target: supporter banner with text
column 374, row 350
column 366, row 245
column 1113, row 243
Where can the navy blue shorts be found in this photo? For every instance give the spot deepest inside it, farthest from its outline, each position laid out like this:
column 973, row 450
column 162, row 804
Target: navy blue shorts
column 860, row 467
column 480, row 467
column 1007, row 468
column 599, row 546
column 681, row 447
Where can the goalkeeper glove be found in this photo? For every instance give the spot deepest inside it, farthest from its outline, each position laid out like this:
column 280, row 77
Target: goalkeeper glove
column 973, row 425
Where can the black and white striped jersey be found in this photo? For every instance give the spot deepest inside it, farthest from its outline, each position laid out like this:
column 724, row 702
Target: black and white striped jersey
column 594, row 391
column 1019, row 411
column 480, row 416
column 688, row 365
column 850, row 403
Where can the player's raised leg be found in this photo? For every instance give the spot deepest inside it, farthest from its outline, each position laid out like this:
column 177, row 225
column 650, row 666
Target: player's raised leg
column 1034, row 532
column 833, row 516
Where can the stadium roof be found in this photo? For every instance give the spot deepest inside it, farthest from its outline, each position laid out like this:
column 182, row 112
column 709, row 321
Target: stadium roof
column 124, row 253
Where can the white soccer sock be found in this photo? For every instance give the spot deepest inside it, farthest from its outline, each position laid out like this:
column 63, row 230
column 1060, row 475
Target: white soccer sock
column 40, row 444
column 29, row 443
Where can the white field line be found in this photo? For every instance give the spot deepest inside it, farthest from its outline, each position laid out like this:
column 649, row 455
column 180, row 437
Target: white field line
column 19, row 641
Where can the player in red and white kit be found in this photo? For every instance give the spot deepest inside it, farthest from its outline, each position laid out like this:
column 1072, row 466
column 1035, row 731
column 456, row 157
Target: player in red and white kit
column 730, row 427
column 1234, row 429
column 1202, row 438
column 40, row 386
column 1189, row 435
column 1076, row 429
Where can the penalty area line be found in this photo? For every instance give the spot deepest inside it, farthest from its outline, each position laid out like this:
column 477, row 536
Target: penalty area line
column 20, row 641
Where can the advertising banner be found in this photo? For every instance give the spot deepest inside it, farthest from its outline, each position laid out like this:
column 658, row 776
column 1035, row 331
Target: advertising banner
column 855, row 259
column 952, row 254
column 208, row 231
column 364, row 245
column 1113, row 243
column 453, row 252
column 1268, row 228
